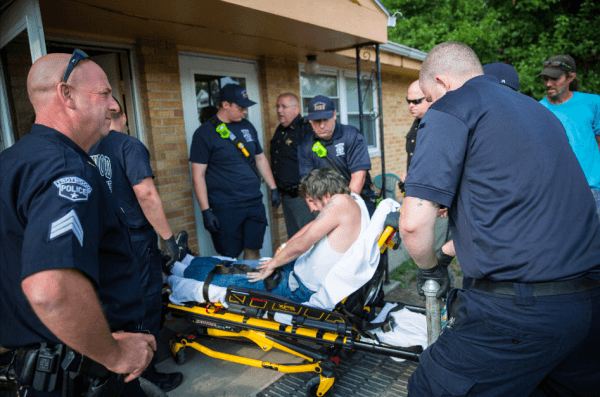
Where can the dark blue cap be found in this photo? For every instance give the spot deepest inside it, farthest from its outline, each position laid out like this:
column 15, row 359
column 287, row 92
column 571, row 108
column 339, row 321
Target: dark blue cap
column 506, row 74
column 236, row 94
column 320, row 108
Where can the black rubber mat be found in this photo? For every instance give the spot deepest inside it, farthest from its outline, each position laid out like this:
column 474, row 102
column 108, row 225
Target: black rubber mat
column 363, row 374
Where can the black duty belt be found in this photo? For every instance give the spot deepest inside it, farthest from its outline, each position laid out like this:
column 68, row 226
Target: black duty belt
column 539, row 289
column 291, row 191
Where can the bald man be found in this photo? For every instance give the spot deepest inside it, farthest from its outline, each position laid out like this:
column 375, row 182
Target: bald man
column 69, row 278
column 527, row 325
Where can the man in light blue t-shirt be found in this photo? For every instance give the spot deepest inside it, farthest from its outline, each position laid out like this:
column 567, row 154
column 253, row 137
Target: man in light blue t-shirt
column 579, row 113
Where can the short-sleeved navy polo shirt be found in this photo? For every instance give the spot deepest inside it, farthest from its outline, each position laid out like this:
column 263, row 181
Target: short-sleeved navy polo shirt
column 347, row 148
column 57, row 213
column 520, row 206
column 229, row 178
column 123, row 162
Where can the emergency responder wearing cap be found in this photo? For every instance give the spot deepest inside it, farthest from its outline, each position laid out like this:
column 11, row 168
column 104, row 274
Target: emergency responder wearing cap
column 338, row 146
column 227, row 163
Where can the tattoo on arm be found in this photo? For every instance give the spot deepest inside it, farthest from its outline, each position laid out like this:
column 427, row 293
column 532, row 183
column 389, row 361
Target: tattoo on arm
column 421, row 201
column 328, row 207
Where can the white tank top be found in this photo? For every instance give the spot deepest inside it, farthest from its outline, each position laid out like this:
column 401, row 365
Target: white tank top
column 312, row 266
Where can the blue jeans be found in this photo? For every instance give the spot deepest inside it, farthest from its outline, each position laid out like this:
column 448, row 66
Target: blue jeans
column 200, row 267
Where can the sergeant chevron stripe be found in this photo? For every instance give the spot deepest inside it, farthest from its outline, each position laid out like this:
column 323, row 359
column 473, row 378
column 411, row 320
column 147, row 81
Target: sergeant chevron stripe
column 66, row 224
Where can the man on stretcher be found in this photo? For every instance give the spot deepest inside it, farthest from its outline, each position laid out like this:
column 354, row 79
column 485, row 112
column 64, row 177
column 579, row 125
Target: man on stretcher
column 311, row 253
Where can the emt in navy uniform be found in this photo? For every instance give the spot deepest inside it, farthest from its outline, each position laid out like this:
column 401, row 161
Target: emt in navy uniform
column 346, row 149
column 226, row 182
column 527, row 325
column 124, row 162
column 284, row 162
column 69, row 276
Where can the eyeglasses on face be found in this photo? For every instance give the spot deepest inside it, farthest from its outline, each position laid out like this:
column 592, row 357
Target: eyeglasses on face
column 414, row 101
column 556, row 63
column 77, row 57
column 238, row 107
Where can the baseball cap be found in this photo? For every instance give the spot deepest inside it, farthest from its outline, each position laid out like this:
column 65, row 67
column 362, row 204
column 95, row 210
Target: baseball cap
column 557, row 65
column 320, row 108
column 506, row 74
column 236, row 94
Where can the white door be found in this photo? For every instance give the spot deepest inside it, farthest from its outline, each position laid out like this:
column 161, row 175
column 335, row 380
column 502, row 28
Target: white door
column 201, row 76
column 22, row 30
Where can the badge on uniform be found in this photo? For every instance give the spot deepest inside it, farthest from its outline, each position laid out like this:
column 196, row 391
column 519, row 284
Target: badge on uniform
column 73, row 188
column 66, row 224
column 247, row 135
column 339, row 149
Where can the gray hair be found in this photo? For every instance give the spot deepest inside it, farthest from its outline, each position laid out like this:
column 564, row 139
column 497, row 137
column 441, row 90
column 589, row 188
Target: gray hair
column 290, row 95
column 450, row 57
column 321, row 181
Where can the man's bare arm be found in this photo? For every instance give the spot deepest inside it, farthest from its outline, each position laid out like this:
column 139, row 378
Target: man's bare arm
column 152, row 206
column 66, row 302
column 417, row 224
column 199, row 182
column 265, row 170
column 357, row 181
column 329, row 218
column 598, row 140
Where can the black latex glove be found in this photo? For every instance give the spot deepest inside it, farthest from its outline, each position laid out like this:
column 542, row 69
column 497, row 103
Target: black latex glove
column 211, row 223
column 275, row 199
column 437, row 273
column 392, row 219
column 443, row 259
column 173, row 248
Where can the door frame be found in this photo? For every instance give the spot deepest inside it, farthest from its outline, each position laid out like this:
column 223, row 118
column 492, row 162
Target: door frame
column 19, row 16
column 191, row 63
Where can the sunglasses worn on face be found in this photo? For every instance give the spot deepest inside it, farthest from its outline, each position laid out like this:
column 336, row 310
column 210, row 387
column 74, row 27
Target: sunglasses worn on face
column 77, row 57
column 414, row 101
column 556, row 63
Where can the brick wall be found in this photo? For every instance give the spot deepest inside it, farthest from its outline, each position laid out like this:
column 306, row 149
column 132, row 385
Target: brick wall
column 162, row 107
column 396, row 123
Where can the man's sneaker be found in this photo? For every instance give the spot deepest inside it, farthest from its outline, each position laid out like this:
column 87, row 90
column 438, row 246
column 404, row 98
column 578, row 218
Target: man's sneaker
column 165, row 381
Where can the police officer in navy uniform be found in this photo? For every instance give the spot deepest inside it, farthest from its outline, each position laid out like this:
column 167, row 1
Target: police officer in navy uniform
column 528, row 323
column 226, row 183
column 284, row 161
column 346, row 149
column 124, row 162
column 69, row 276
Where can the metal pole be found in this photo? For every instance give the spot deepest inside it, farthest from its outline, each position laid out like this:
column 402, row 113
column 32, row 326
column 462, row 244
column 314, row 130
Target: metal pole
column 360, row 105
column 432, row 309
column 380, row 104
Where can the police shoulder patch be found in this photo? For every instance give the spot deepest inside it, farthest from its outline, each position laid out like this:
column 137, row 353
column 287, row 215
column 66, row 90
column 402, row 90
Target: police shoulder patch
column 73, row 188
column 68, row 223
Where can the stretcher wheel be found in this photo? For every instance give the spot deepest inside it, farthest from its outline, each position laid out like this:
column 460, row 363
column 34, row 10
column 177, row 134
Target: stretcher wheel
column 180, row 356
column 313, row 385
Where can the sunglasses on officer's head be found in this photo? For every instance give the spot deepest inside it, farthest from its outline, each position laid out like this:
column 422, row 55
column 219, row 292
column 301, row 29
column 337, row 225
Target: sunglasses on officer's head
column 556, row 63
column 414, row 101
column 77, row 57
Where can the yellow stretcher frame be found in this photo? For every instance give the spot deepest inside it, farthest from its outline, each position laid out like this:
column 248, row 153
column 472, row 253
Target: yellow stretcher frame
column 215, row 321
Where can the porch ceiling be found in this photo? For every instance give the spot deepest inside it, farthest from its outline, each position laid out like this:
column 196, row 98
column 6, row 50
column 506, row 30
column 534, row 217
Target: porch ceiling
column 250, row 27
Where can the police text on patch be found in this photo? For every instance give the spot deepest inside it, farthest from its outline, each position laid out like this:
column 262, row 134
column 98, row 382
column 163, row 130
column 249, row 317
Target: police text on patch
column 73, row 188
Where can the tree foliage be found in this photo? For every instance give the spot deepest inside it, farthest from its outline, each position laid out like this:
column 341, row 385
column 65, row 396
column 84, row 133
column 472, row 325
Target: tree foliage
column 522, row 33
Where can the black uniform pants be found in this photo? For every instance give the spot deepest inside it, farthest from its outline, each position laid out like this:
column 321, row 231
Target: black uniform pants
column 145, row 248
